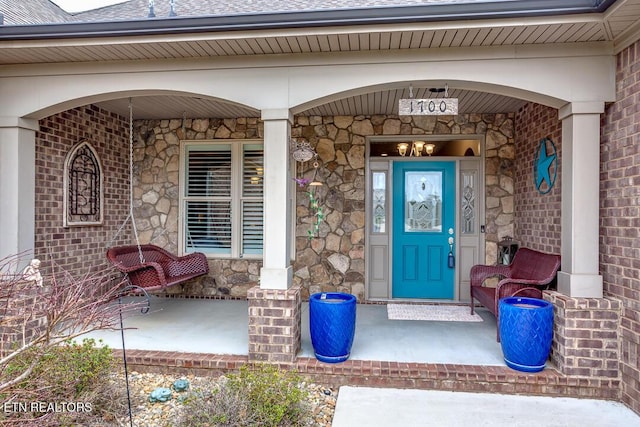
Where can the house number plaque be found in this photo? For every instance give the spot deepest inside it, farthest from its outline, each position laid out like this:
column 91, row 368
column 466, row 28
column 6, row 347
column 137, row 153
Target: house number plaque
column 428, row 107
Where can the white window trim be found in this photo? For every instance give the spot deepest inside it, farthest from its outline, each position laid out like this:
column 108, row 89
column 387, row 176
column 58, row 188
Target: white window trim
column 236, row 196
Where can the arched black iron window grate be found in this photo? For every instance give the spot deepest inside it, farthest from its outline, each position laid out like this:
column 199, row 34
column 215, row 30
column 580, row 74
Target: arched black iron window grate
column 83, row 186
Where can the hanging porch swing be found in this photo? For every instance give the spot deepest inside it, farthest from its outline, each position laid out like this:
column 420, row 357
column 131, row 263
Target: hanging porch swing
column 149, row 266
column 158, row 269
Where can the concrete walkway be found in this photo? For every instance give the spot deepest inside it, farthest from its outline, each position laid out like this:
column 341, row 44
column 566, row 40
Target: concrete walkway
column 377, row 407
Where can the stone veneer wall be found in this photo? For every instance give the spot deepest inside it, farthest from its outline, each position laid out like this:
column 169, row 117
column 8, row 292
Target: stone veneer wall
column 537, row 215
column 156, row 196
column 620, row 215
column 79, row 249
column 334, row 261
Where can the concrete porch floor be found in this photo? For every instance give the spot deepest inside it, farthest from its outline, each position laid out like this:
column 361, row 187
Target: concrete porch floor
column 221, row 327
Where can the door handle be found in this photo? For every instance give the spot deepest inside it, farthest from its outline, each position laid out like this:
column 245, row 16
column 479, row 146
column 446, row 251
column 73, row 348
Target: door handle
column 451, row 259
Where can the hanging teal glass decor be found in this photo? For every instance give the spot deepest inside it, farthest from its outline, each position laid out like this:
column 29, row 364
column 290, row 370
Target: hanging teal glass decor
column 302, row 153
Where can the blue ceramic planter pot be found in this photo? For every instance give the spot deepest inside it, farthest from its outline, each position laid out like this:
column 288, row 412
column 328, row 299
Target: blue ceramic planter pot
column 526, row 332
column 332, row 320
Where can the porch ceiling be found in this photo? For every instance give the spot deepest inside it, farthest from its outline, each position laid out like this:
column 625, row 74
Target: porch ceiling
column 380, row 102
column 618, row 26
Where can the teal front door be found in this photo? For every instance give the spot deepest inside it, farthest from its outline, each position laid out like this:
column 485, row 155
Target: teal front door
column 423, row 226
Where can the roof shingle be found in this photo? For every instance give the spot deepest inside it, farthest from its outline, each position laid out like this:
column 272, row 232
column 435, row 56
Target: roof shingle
column 32, row 12
column 139, row 9
column 47, row 12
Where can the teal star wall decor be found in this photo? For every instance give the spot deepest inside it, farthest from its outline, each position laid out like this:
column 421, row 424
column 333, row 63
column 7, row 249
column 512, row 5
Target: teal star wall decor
column 545, row 166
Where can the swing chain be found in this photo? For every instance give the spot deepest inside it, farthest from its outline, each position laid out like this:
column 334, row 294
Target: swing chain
column 130, row 216
column 133, row 219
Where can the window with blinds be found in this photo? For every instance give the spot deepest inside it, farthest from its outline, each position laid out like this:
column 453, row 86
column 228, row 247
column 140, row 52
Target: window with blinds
column 252, row 196
column 222, row 198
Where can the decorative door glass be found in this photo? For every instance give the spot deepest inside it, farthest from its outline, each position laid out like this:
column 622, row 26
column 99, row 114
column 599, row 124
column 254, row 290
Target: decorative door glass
column 468, row 202
column 379, row 211
column 423, row 201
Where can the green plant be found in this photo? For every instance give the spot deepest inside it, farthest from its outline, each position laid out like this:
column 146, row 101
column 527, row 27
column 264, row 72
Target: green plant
column 274, row 395
column 80, row 373
column 258, row 395
column 72, row 368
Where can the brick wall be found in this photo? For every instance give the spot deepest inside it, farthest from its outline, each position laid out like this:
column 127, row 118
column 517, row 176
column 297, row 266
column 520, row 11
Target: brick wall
column 537, row 219
column 620, row 215
column 585, row 338
column 274, row 324
column 80, row 248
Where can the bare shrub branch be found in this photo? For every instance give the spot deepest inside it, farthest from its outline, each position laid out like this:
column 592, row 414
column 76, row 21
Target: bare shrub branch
column 34, row 319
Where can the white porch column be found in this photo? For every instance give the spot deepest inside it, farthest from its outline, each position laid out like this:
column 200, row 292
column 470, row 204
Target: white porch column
column 17, row 184
column 277, row 272
column 580, row 200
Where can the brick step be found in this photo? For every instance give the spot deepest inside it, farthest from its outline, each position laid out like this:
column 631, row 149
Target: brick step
column 425, row 376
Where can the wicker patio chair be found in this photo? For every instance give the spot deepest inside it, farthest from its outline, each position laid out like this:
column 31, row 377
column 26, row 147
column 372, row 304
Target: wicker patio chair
column 528, row 275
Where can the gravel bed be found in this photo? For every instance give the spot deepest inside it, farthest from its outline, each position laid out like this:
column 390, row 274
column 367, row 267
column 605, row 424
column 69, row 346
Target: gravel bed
column 321, row 399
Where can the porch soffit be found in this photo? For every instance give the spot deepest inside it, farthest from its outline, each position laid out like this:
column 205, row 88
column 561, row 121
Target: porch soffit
column 117, row 41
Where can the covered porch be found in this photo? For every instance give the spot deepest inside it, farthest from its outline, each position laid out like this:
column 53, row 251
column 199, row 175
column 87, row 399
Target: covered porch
column 294, row 266
column 339, row 103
